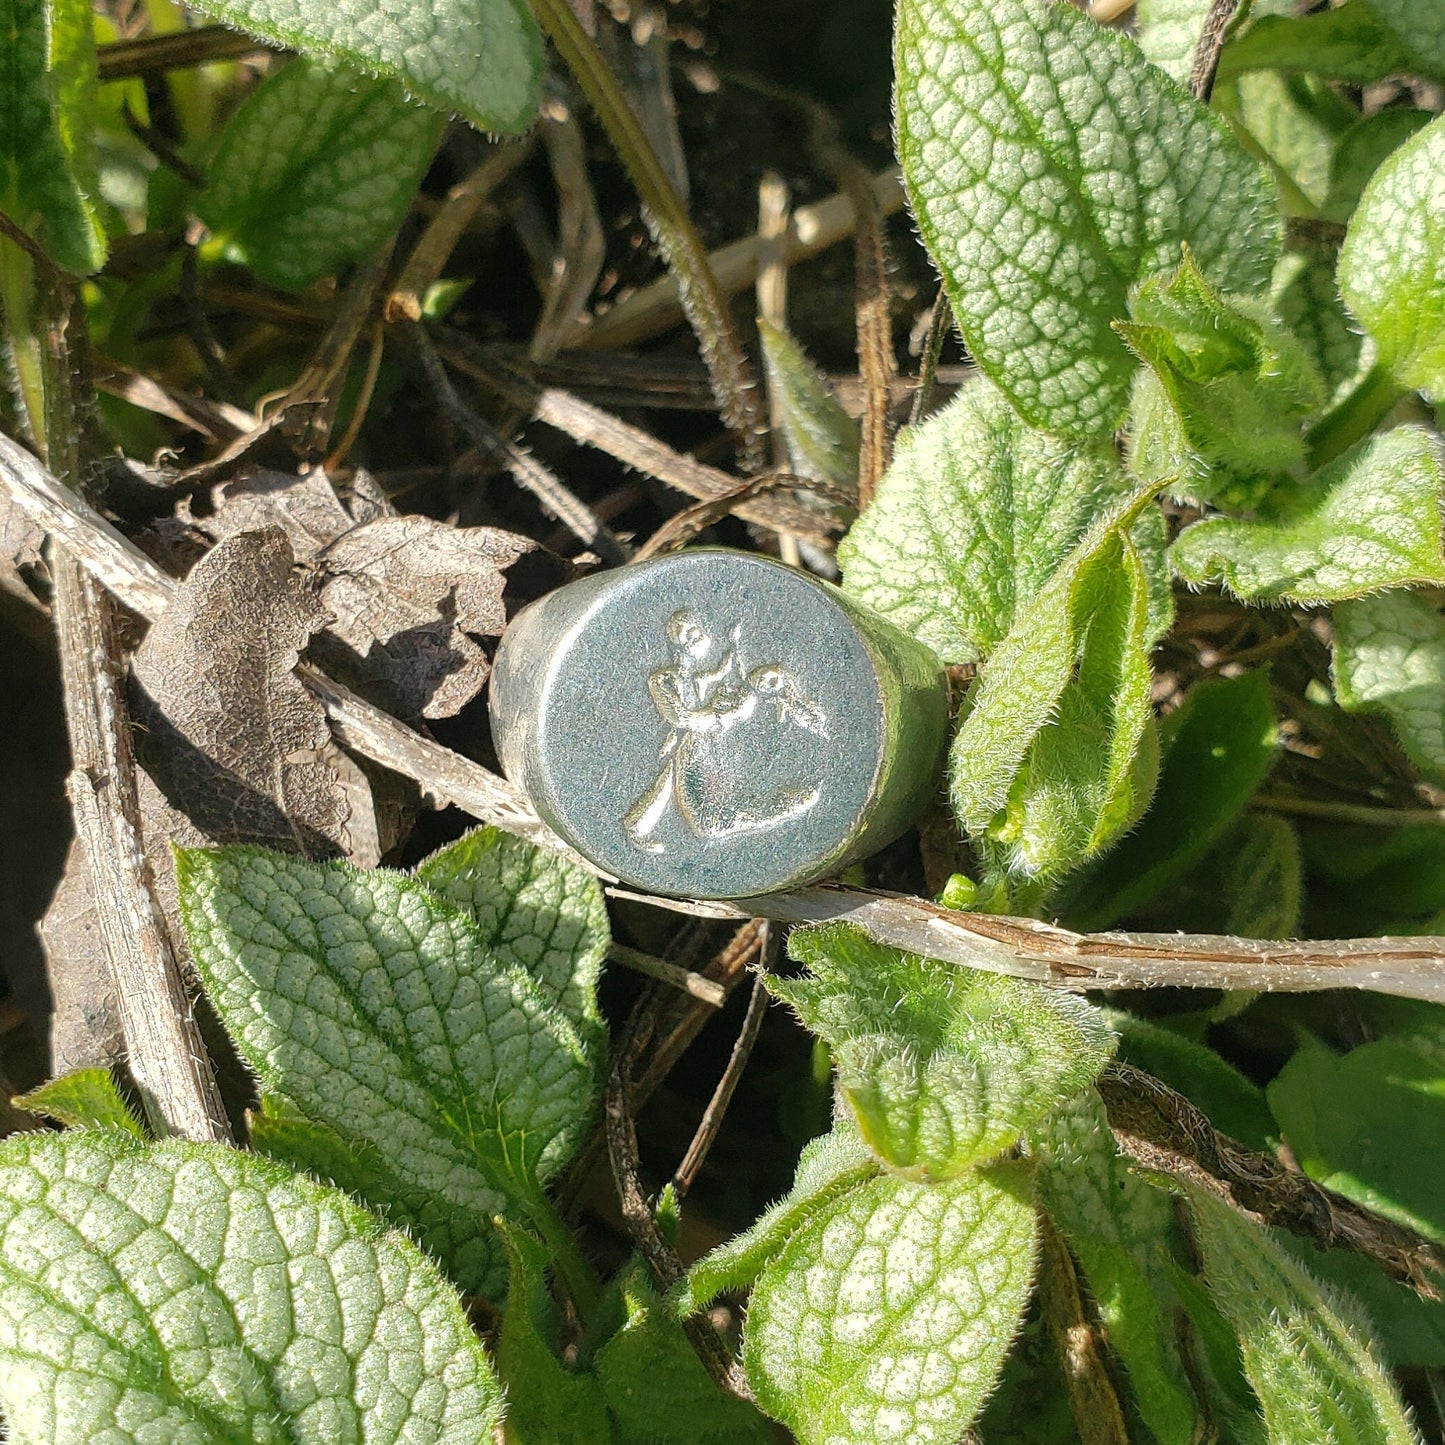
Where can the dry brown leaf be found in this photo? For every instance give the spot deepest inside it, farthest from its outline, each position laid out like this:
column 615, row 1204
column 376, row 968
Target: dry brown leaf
column 407, row 595
column 229, row 735
column 84, row 1026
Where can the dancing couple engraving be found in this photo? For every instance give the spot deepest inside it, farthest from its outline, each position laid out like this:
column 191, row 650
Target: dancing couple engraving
column 716, row 757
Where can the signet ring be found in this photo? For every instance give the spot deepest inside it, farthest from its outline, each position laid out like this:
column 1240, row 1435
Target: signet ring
column 715, row 724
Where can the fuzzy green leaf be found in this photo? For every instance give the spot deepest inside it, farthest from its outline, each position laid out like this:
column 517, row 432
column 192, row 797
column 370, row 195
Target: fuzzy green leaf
column 1362, row 150
column 315, row 170
column 47, row 105
column 544, row 1400
column 974, row 515
column 943, row 1067
column 192, row 1293
column 1048, row 793
column 655, row 1385
column 281, row 1131
column 829, row 1166
column 1091, row 769
column 1390, row 659
column 480, row 58
column 374, row 1006
column 1368, row 521
column 1239, row 386
column 1218, row 748
column 1364, row 1124
column 1263, row 878
column 1351, row 43
column 1051, row 167
column 1392, row 265
column 534, row 909
column 83, row 1099
column 1307, row 1356
column 822, row 438
column 886, row 1318
column 1118, row 1228
column 1169, row 32
column 1306, row 299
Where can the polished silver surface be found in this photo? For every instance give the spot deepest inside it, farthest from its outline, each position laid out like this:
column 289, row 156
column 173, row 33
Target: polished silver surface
column 714, row 724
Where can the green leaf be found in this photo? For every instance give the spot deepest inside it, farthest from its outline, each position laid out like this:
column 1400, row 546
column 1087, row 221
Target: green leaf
column 47, row 104
column 1392, row 265
column 888, row 1315
column 1362, row 150
column 1263, row 878
column 1091, row 769
column 374, row 1006
column 829, row 1166
column 1351, row 43
column 1306, row 299
column 188, row 1292
column 1218, row 748
column 1051, row 167
column 1420, row 26
column 1365, row 1123
column 535, row 910
column 480, row 58
column 943, row 1067
column 315, row 170
column 1238, row 385
column 83, row 1099
column 1052, row 759
column 1294, row 121
column 972, row 518
column 1306, row 1355
column 1368, row 521
column 282, row 1132
column 1169, row 32
column 1390, row 659
column 822, row 438
column 1118, row 1228
column 544, row 1400
column 1406, row 1329
column 656, row 1387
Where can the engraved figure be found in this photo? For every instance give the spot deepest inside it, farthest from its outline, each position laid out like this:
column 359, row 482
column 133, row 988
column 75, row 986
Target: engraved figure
column 702, row 705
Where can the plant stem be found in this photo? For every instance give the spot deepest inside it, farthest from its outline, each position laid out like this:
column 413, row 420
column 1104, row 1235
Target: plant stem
column 1355, row 417
column 17, row 290
column 582, row 1283
column 728, row 368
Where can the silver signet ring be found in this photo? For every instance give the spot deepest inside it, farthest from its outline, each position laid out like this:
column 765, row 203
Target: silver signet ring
column 713, row 724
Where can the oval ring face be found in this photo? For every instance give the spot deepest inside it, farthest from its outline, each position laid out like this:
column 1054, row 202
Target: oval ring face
column 710, row 726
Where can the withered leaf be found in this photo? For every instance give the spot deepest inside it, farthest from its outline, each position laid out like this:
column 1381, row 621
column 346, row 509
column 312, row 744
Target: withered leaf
column 407, row 595
column 227, row 732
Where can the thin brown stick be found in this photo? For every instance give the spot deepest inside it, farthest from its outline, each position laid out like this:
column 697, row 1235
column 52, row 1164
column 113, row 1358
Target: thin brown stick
column 447, row 227
column 717, row 1106
column 559, row 499
column 1163, row 1130
column 167, row 1057
column 940, row 319
column 660, row 1257
column 669, row 973
column 1217, row 25
column 687, row 524
column 657, row 307
column 1018, row 947
column 1093, row 1400
column 177, row 51
column 629, row 444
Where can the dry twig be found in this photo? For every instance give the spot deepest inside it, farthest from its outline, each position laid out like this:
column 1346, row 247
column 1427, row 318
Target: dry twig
column 1164, row 1131
column 1082, row 1357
